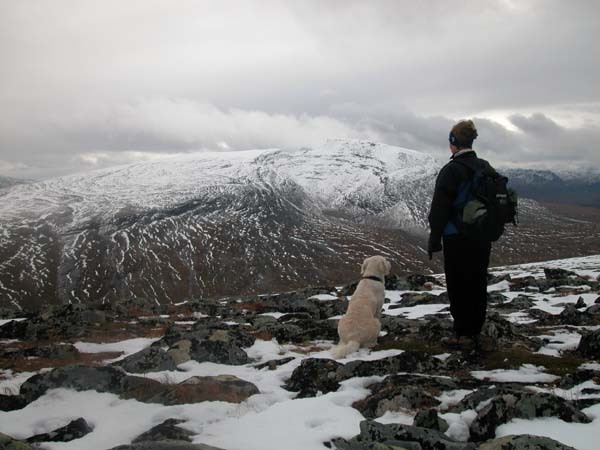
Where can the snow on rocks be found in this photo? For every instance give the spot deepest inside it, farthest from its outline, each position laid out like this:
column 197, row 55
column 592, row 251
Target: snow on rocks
column 285, row 391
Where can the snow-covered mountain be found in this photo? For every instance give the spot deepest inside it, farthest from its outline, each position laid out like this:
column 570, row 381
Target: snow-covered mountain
column 581, row 187
column 235, row 222
column 211, row 223
column 6, row 182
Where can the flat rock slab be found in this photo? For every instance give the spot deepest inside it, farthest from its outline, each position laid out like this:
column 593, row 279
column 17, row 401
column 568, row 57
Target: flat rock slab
column 75, row 429
column 524, row 442
column 374, row 435
column 165, row 445
column 115, row 381
column 166, row 431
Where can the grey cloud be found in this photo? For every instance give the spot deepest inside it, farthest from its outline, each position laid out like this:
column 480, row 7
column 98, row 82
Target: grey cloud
column 158, row 76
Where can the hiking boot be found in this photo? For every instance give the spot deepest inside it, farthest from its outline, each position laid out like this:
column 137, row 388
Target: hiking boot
column 452, row 342
column 480, row 343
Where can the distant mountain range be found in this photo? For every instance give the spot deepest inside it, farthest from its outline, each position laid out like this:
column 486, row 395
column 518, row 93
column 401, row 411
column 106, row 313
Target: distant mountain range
column 216, row 224
column 8, row 181
column 576, row 187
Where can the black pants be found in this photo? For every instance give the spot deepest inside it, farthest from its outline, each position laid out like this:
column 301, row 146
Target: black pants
column 465, row 264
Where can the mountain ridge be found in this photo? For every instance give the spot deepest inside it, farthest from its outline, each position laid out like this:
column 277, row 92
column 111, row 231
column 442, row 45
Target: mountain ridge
column 214, row 224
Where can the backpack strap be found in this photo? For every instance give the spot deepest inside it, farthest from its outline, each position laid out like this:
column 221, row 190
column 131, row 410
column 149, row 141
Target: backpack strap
column 462, row 163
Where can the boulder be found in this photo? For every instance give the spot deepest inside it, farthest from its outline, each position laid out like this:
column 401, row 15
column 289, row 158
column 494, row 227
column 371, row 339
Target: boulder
column 296, row 327
column 524, row 442
column 395, row 398
column 166, row 431
column 208, row 328
column 151, row 359
column 503, row 408
column 571, row 316
column 429, row 419
column 9, row 443
column 165, row 445
column 225, row 388
column 589, row 345
column 12, row 402
column 316, row 375
column 116, row 381
column 593, row 310
column 519, row 302
column 218, row 351
column 579, row 376
column 504, row 333
column 82, row 378
column 435, row 328
column 410, row 299
column 374, row 435
column 73, row 430
column 180, row 351
column 53, row 351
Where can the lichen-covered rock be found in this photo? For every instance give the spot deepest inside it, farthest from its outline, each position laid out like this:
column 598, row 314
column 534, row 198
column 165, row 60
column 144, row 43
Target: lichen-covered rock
column 589, row 345
column 558, row 274
column 225, row 388
column 165, row 431
column 180, row 351
column 9, row 443
column 577, row 377
column 314, row 375
column 218, row 351
column 429, row 419
column 296, row 327
column 408, row 361
column 73, row 430
column 519, row 302
column 504, row 333
column 400, row 392
column 83, row 378
column 151, row 359
column 12, row 402
column 397, row 436
column 435, row 328
column 411, row 299
column 524, row 442
column 503, row 408
column 116, row 381
column 165, row 445
column 52, row 351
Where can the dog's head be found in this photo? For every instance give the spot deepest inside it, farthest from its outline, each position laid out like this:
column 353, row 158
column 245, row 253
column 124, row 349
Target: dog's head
column 375, row 265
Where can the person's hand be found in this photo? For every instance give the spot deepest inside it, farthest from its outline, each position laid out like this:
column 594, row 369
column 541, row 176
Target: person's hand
column 433, row 246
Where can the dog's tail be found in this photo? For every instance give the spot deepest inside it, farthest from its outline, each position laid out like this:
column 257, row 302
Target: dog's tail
column 344, row 349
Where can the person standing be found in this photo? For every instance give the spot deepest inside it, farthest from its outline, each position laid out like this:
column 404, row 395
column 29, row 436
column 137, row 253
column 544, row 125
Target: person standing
column 466, row 258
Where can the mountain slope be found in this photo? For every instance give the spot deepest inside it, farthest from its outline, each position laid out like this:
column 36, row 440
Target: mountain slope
column 210, row 223
column 215, row 224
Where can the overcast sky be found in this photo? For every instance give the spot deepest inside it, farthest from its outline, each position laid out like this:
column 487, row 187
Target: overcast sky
column 86, row 84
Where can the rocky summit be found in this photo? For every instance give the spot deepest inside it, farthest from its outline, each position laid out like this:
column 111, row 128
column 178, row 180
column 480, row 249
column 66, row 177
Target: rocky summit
column 255, row 372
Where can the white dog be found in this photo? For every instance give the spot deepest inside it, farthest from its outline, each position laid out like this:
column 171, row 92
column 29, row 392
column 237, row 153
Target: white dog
column 360, row 326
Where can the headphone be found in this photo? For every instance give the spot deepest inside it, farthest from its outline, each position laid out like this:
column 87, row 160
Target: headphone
column 452, row 139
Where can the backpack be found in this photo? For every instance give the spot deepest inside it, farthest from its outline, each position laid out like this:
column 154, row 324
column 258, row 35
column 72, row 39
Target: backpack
column 484, row 204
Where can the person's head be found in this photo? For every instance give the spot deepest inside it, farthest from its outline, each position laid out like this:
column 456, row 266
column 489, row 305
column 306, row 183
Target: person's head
column 462, row 135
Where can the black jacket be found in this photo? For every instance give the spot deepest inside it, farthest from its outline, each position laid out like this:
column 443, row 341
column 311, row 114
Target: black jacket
column 446, row 189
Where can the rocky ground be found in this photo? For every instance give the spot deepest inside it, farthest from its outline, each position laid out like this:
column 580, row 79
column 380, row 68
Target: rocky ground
column 255, row 372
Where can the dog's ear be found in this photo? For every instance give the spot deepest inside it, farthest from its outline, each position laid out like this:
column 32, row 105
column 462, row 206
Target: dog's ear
column 383, row 266
column 363, row 268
